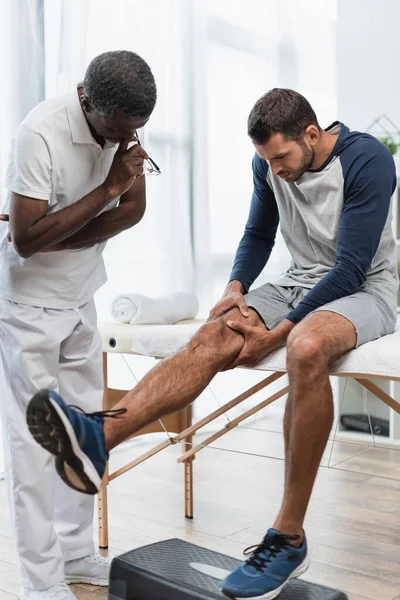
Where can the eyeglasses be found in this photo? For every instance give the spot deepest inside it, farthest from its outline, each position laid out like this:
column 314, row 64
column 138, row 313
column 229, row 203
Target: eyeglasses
column 150, row 166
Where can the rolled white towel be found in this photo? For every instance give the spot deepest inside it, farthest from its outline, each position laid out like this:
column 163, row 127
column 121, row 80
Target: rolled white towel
column 165, row 310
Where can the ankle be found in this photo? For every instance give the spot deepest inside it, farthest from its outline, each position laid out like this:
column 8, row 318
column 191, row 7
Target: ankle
column 290, row 528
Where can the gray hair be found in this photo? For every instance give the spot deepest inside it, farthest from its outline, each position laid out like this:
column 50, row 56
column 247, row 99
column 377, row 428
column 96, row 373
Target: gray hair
column 120, row 80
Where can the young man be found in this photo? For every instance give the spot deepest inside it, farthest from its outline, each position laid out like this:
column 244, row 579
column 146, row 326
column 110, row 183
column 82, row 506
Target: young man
column 73, row 184
column 330, row 191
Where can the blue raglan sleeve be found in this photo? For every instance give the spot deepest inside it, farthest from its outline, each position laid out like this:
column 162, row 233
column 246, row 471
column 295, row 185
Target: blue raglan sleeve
column 370, row 180
column 259, row 236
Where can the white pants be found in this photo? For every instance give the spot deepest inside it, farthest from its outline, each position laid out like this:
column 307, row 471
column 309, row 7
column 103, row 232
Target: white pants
column 58, row 349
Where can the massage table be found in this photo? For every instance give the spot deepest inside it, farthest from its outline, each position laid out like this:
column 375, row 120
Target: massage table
column 378, row 360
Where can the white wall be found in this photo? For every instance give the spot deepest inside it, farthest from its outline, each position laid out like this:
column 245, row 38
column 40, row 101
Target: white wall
column 368, row 53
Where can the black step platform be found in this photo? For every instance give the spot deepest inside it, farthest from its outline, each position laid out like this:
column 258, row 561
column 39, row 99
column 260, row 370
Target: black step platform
column 177, row 570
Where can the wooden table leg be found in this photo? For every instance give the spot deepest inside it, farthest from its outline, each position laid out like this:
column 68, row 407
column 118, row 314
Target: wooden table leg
column 102, row 507
column 188, row 465
column 102, row 504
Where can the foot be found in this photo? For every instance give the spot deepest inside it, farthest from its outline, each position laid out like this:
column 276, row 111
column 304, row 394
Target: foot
column 268, row 569
column 93, row 569
column 74, row 438
column 57, row 592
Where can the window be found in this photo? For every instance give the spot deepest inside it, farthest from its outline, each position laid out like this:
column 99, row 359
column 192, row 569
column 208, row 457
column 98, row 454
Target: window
column 251, row 48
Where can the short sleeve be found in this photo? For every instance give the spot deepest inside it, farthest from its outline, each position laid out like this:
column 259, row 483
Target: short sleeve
column 29, row 168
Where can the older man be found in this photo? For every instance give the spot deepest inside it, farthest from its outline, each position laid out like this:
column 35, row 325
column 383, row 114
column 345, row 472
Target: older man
column 73, row 184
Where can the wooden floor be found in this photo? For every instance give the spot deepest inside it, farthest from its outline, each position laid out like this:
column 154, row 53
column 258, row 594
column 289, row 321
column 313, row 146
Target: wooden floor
column 353, row 524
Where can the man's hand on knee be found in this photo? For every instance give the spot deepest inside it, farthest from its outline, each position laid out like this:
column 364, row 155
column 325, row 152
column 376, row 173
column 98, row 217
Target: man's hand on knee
column 259, row 341
column 258, row 344
column 232, row 298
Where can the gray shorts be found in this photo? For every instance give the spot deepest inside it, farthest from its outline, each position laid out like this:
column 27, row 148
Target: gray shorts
column 371, row 316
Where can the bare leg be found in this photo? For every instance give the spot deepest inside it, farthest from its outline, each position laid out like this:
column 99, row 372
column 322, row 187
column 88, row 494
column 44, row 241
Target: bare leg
column 312, row 345
column 178, row 380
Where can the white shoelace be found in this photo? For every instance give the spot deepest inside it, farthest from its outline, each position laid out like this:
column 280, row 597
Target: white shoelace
column 96, row 558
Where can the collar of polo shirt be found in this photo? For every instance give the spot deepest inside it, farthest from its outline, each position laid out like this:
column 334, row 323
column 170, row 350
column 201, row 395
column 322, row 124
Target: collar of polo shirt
column 80, row 130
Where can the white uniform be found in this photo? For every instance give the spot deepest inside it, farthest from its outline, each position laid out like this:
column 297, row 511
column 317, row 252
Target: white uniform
column 48, row 335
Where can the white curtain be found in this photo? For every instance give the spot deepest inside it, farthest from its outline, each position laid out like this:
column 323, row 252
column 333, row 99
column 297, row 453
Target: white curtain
column 21, row 68
column 22, row 76
column 156, row 256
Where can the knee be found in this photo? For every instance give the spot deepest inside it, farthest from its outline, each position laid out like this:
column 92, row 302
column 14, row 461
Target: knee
column 305, row 351
column 216, row 343
column 213, row 332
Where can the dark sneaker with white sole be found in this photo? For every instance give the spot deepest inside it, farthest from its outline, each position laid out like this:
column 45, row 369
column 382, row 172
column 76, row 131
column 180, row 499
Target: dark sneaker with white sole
column 270, row 566
column 74, row 438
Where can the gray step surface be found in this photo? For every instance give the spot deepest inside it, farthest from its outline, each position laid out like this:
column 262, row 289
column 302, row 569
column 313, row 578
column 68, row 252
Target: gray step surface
column 177, row 570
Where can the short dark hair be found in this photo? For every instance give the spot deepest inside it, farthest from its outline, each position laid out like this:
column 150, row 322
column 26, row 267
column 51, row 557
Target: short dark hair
column 280, row 111
column 120, row 80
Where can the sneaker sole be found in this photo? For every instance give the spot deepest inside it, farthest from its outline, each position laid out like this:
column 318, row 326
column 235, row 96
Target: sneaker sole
column 87, row 580
column 51, row 428
column 301, row 569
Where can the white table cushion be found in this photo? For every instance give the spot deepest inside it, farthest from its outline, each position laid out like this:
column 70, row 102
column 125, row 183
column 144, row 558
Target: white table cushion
column 380, row 358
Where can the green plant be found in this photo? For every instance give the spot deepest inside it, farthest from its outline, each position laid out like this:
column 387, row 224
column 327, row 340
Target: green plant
column 390, row 144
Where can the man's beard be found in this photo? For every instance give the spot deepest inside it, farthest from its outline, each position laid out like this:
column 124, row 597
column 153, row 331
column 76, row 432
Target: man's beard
column 306, row 163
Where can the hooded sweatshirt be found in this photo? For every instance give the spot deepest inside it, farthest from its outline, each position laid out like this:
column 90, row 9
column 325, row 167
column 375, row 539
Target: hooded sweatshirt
column 335, row 222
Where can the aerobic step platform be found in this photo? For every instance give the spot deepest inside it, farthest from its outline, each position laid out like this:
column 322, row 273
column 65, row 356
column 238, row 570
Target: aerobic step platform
column 176, row 570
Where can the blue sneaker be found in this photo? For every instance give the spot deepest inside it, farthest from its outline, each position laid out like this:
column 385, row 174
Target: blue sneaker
column 74, row 438
column 268, row 569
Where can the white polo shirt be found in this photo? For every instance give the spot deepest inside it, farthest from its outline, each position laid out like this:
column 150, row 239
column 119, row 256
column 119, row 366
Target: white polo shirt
column 55, row 158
